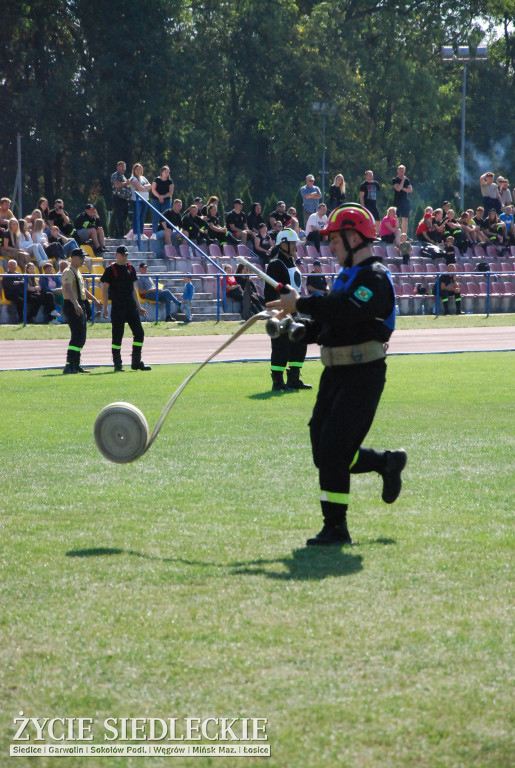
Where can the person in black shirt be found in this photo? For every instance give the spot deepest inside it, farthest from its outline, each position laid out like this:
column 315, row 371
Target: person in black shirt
column 402, row 188
column 89, row 227
column 352, row 324
column 278, row 215
column 254, row 218
column 263, row 245
column 167, row 234
column 60, row 218
column 368, row 197
column 336, row 193
column 194, row 225
column 162, row 189
column 316, row 282
column 237, row 222
column 449, row 287
column 119, row 284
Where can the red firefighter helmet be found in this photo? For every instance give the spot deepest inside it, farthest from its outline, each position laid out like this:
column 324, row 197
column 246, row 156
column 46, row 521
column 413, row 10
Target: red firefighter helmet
column 351, row 216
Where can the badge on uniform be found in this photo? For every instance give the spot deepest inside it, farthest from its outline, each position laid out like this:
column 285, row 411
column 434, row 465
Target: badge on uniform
column 362, row 293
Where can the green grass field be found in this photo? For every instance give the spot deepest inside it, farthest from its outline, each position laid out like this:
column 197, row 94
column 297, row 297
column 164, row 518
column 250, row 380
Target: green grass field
column 180, row 586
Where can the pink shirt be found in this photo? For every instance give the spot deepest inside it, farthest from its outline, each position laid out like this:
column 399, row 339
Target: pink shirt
column 384, row 229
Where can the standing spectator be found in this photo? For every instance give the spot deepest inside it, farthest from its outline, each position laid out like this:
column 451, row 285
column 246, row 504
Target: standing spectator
column 237, row 222
column 263, row 245
column 255, row 218
column 89, row 227
column 402, row 188
column 121, row 197
column 389, row 230
column 449, row 252
column 147, row 290
column 504, row 192
column 404, row 248
column 142, row 185
column 60, row 217
column 368, row 197
column 11, row 245
column 187, row 297
column 316, row 222
column 490, row 193
column 336, row 193
column 162, row 189
column 316, row 282
column 74, row 307
column 310, row 195
column 119, row 284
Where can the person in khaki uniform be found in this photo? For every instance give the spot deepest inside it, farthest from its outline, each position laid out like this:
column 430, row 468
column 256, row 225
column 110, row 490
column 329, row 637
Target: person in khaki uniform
column 74, row 307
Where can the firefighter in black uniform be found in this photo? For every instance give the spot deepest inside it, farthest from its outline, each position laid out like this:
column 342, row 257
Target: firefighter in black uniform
column 74, row 307
column 352, row 324
column 283, row 269
column 119, row 283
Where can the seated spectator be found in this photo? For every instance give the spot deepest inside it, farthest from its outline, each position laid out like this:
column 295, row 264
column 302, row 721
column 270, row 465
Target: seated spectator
column 336, row 193
column 254, row 218
column 279, row 214
column 436, row 234
column 11, row 244
column 89, row 227
column 294, row 221
column 263, row 246
column 167, row 235
column 252, row 302
column 216, row 231
column 26, row 243
column 187, row 297
column 232, row 289
column 211, row 199
column 49, row 282
column 404, row 248
column 389, row 230
column 68, row 243
column 425, row 228
column 13, row 287
column 508, row 221
column 36, row 298
column 316, row 222
column 44, row 208
column 60, row 217
column 316, row 282
column 147, row 290
column 278, row 227
column 5, row 212
column 477, row 235
column 54, row 251
column 237, row 222
column 504, row 192
column 453, row 227
column 490, row 193
column 194, row 225
column 493, row 229
column 449, row 287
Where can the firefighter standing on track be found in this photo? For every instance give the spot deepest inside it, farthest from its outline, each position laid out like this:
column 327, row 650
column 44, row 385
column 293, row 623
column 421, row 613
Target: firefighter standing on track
column 283, row 269
column 352, row 324
column 119, row 284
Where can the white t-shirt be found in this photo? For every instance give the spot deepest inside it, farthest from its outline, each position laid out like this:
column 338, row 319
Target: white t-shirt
column 144, row 193
column 315, row 222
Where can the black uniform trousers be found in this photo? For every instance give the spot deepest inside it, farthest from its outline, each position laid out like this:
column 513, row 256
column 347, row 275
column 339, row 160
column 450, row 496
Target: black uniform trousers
column 347, row 400
column 121, row 313
column 77, row 325
column 120, row 213
column 285, row 351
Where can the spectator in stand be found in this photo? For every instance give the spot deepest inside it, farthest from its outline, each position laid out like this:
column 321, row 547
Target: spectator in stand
column 237, row 222
column 453, row 227
column 216, row 231
column 51, row 283
column 38, row 299
column 468, row 229
column 141, row 185
column 368, row 197
column 294, row 222
column 89, row 227
column 279, row 214
column 232, row 290
column 11, row 245
column 425, row 229
column 211, row 199
column 336, row 193
column 490, row 193
column 52, row 251
column 278, row 227
column 263, row 246
column 404, row 248
column 121, row 196
column 508, row 221
column 44, row 208
column 5, row 212
column 316, row 222
column 436, row 233
column 187, row 297
column 147, row 290
column 162, row 189
column 167, row 235
column 449, row 253
column 389, row 230
column 316, row 282
column 449, row 287
column 504, row 192
column 493, row 229
column 252, row 303
column 255, row 218
column 35, row 250
column 60, row 217
column 13, row 286
column 310, row 197
column 194, row 225
column 402, row 188
column 68, row 243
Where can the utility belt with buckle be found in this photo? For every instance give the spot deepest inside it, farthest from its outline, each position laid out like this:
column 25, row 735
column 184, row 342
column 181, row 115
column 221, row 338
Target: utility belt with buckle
column 354, row 354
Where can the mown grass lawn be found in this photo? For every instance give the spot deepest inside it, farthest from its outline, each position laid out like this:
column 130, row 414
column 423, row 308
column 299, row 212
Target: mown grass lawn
column 180, row 585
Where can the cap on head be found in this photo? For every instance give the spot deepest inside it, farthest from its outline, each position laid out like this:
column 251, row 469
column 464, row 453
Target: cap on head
column 143, row 264
column 122, row 250
column 238, row 201
column 78, row 252
column 281, row 202
column 317, row 263
column 90, row 207
column 287, row 236
column 351, row 216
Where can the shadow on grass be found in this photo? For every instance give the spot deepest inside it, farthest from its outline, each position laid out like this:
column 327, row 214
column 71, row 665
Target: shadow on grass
column 307, row 564
column 269, row 394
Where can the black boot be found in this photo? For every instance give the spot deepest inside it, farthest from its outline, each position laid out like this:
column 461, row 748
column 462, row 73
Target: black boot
column 80, row 369
column 137, row 364
column 117, row 360
column 335, row 531
column 278, row 384
column 395, row 461
column 71, row 364
column 293, row 380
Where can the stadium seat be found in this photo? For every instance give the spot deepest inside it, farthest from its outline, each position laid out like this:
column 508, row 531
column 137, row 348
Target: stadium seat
column 311, row 252
column 417, row 251
column 325, row 252
column 170, row 252
column 97, row 269
column 214, row 251
column 431, row 268
column 184, row 251
column 507, row 267
column 406, row 269
column 479, row 253
column 391, row 251
column 491, row 252
column 301, row 253
column 379, row 251
column 392, row 267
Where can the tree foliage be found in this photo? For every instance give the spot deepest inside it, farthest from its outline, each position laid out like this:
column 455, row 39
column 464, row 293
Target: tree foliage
column 223, row 92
